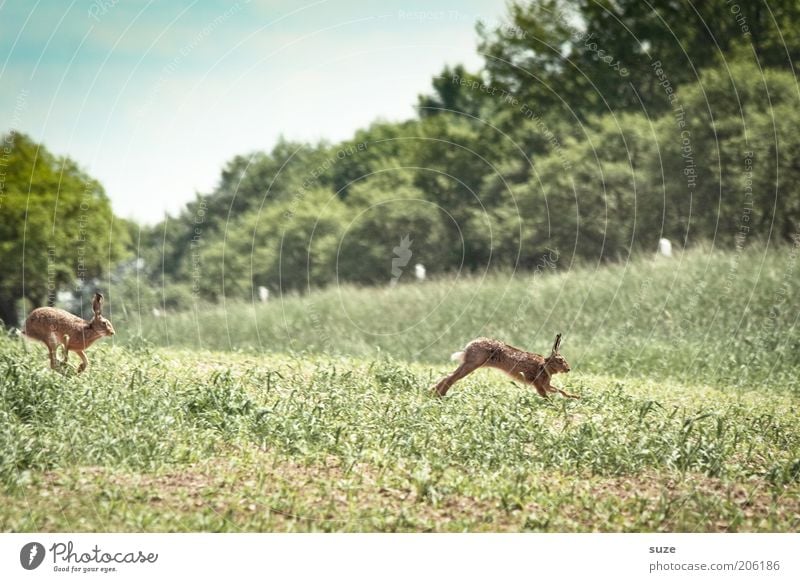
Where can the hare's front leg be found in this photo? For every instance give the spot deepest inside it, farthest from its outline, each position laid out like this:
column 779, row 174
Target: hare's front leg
column 53, row 359
column 52, row 349
column 551, row 388
column 84, row 361
column 541, row 387
column 65, row 343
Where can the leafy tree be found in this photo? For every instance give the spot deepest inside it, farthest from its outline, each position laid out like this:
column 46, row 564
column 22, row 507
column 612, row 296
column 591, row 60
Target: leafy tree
column 290, row 245
column 585, row 57
column 392, row 226
column 524, row 58
column 456, row 90
column 569, row 138
column 739, row 129
column 57, row 229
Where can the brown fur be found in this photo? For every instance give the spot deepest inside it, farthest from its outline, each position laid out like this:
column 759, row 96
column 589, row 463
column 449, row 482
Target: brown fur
column 520, row 365
column 56, row 327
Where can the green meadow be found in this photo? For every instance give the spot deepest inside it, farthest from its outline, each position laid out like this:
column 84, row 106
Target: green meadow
column 312, row 412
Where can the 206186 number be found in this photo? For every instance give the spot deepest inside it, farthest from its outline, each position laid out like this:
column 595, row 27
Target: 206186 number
column 755, row 565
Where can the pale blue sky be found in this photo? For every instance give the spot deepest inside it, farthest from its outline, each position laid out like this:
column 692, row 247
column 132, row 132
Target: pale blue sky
column 152, row 98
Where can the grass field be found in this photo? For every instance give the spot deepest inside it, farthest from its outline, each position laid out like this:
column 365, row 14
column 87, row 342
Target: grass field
column 726, row 319
column 313, row 413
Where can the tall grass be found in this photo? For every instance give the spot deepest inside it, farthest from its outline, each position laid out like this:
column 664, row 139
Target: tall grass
column 165, row 412
column 313, row 412
column 721, row 318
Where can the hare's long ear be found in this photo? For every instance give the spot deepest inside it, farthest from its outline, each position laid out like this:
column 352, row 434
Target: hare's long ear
column 557, row 343
column 97, row 304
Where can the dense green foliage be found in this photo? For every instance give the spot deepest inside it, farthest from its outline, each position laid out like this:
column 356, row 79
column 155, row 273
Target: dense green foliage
column 595, row 57
column 57, row 229
column 595, row 128
column 700, row 435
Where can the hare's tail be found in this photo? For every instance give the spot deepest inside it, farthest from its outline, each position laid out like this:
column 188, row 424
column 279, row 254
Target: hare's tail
column 458, row 356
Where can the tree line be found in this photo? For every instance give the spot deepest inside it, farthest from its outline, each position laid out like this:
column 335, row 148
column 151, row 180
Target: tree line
column 592, row 130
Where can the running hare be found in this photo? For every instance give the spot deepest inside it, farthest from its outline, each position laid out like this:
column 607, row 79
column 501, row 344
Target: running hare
column 520, row 365
column 55, row 327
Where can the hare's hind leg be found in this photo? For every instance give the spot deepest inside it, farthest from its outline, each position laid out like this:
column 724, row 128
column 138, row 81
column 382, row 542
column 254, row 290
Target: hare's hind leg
column 542, row 389
column 471, row 359
column 463, row 370
column 444, row 384
column 84, row 361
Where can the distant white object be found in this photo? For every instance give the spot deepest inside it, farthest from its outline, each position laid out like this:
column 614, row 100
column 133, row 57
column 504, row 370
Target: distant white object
column 419, row 271
column 156, row 312
column 665, row 247
column 263, row 294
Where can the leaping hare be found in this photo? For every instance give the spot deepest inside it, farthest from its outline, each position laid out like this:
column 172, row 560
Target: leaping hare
column 56, row 327
column 520, row 365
